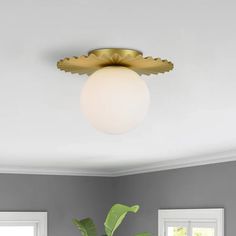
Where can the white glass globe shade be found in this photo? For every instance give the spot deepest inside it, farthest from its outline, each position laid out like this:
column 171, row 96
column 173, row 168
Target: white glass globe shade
column 114, row 99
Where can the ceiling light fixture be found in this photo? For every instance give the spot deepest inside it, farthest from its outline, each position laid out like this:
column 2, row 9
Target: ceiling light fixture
column 114, row 99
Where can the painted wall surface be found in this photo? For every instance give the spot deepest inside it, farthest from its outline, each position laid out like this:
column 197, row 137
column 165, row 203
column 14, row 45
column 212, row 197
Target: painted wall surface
column 67, row 197
column 63, row 197
column 194, row 187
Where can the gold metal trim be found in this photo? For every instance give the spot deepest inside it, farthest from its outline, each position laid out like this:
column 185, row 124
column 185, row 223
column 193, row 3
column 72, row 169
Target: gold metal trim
column 99, row 58
column 111, row 51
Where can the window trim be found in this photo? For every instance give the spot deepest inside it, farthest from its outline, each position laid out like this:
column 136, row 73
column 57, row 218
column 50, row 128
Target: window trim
column 211, row 215
column 36, row 219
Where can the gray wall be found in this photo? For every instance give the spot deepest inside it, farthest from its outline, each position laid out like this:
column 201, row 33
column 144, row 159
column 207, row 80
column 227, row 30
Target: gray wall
column 67, row 197
column 194, row 187
column 63, row 197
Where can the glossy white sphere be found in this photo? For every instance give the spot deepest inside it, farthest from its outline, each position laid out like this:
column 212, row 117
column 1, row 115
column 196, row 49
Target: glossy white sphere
column 114, row 99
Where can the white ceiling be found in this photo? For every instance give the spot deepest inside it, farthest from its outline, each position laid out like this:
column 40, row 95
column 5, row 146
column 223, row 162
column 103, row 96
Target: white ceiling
column 193, row 111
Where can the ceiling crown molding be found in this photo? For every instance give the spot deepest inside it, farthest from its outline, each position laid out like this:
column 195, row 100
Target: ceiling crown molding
column 200, row 160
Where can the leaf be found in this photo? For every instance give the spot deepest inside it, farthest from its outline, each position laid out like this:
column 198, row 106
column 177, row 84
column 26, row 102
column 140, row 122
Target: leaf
column 116, row 215
column 86, row 226
column 143, row 234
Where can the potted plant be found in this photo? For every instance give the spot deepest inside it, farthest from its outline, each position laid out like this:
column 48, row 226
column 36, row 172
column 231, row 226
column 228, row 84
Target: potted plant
column 114, row 218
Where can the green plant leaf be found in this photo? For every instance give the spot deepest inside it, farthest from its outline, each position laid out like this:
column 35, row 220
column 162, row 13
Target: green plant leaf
column 86, row 226
column 116, row 215
column 143, row 234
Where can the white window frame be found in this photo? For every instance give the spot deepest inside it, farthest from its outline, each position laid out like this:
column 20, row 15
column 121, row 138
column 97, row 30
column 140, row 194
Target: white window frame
column 36, row 219
column 190, row 217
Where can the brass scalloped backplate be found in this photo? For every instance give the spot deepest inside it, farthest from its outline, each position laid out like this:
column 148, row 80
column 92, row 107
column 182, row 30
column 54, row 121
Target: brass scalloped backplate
column 100, row 58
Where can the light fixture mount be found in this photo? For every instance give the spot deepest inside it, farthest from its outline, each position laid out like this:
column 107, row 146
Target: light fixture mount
column 100, row 58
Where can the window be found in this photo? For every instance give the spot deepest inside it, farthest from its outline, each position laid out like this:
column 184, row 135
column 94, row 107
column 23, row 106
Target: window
column 23, row 223
column 191, row 222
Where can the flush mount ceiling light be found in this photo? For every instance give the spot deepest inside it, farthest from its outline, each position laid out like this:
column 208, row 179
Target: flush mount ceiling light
column 114, row 98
